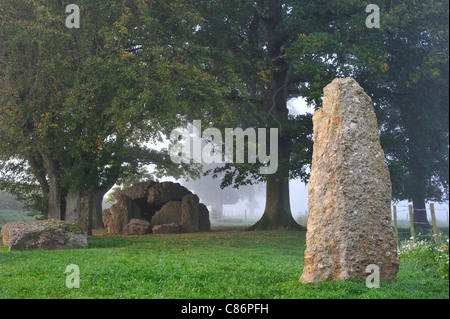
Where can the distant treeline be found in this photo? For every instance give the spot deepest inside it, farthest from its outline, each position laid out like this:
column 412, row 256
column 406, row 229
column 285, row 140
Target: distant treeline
column 8, row 201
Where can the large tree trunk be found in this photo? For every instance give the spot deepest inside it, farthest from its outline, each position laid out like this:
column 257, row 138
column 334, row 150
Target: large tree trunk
column 420, row 213
column 36, row 163
column 87, row 211
column 416, row 184
column 97, row 208
column 73, row 206
column 277, row 213
column 417, row 188
column 54, row 189
column 91, row 209
column 54, row 200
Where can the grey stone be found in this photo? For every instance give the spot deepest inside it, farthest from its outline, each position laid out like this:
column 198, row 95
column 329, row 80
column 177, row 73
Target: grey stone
column 138, row 190
column 157, row 203
column 44, row 234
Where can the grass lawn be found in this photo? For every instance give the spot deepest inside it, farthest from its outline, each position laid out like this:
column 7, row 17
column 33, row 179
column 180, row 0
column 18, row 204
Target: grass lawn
column 227, row 264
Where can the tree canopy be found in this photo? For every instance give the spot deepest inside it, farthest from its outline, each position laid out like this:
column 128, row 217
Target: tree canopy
column 78, row 104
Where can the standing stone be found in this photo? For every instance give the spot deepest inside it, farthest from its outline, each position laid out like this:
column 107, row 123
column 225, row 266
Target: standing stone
column 349, row 223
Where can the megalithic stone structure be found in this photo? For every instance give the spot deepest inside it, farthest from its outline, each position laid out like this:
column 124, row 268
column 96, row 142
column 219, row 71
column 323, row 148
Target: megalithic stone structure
column 349, row 195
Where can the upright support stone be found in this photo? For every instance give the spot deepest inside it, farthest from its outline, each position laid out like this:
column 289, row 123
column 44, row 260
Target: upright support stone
column 349, row 223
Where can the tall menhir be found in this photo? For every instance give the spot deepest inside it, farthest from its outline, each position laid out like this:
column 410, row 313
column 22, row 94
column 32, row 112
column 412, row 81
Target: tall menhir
column 349, row 224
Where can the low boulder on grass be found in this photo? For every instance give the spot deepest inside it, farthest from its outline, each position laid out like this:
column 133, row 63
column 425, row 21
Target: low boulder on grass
column 43, row 234
column 137, row 226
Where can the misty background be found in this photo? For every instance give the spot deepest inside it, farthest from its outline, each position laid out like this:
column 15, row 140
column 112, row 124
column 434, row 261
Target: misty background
column 249, row 202
column 298, row 191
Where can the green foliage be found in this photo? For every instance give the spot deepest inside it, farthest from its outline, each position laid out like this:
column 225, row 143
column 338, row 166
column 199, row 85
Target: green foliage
column 432, row 255
column 79, row 104
column 20, row 184
column 89, row 98
column 412, row 98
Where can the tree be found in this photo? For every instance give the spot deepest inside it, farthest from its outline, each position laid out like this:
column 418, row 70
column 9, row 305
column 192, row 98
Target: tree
column 404, row 68
column 283, row 49
column 413, row 102
column 55, row 86
column 77, row 104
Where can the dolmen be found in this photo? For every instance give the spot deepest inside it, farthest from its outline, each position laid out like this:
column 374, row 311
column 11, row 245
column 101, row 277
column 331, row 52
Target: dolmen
column 158, row 208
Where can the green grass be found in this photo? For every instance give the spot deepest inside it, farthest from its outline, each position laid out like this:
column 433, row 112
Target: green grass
column 228, row 264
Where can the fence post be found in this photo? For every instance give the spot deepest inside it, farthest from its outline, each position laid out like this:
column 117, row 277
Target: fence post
column 433, row 221
column 395, row 224
column 411, row 221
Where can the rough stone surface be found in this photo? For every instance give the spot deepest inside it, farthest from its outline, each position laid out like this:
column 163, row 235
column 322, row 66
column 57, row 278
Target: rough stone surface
column 189, row 213
column 107, row 219
column 156, row 203
column 168, row 214
column 161, row 193
column 138, row 190
column 171, row 228
column 120, row 214
column 349, row 223
column 5, row 232
column 43, row 234
column 138, row 194
column 137, row 226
